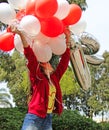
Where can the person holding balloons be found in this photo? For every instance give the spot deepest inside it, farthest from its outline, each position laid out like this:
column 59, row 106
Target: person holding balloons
column 45, row 94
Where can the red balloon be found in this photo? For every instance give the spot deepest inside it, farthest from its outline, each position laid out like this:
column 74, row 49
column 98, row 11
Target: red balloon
column 30, row 7
column 20, row 14
column 74, row 15
column 7, row 41
column 46, row 8
column 52, row 27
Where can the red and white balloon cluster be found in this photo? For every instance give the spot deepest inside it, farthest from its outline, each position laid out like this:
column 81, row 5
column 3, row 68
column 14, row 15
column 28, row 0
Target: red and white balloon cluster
column 43, row 21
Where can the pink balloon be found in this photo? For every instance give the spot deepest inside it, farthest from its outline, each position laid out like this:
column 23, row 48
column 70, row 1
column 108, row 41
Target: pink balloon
column 18, row 43
column 41, row 37
column 7, row 13
column 18, row 4
column 42, row 51
column 63, row 9
column 30, row 25
column 57, row 45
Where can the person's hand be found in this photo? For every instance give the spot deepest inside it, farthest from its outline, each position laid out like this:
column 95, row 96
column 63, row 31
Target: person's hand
column 14, row 29
column 67, row 32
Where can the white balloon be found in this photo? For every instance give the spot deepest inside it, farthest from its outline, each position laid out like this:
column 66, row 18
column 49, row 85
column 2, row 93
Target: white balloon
column 63, row 9
column 79, row 27
column 58, row 45
column 42, row 51
column 30, row 25
column 7, row 14
column 18, row 4
column 18, row 43
column 41, row 37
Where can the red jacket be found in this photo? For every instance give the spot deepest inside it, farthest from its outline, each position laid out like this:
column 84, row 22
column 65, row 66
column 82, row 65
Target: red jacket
column 39, row 83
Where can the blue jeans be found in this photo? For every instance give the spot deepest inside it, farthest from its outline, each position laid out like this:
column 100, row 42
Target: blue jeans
column 34, row 122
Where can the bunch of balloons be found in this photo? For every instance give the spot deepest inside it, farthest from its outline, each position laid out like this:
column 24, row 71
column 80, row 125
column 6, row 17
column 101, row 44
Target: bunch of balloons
column 42, row 21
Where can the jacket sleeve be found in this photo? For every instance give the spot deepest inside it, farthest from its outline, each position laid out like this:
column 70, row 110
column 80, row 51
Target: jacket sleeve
column 63, row 64
column 32, row 62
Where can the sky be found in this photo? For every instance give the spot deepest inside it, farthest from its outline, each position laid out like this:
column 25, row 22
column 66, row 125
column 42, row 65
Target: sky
column 97, row 19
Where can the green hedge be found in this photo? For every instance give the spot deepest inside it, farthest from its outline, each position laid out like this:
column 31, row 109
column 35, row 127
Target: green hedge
column 72, row 120
column 12, row 118
column 105, row 125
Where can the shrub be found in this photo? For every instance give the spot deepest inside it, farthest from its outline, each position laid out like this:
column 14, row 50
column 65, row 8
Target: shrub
column 105, row 125
column 12, row 118
column 72, row 120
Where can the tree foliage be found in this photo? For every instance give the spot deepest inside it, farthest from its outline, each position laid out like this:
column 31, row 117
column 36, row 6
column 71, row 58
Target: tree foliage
column 81, row 3
column 15, row 72
column 68, row 83
column 97, row 97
